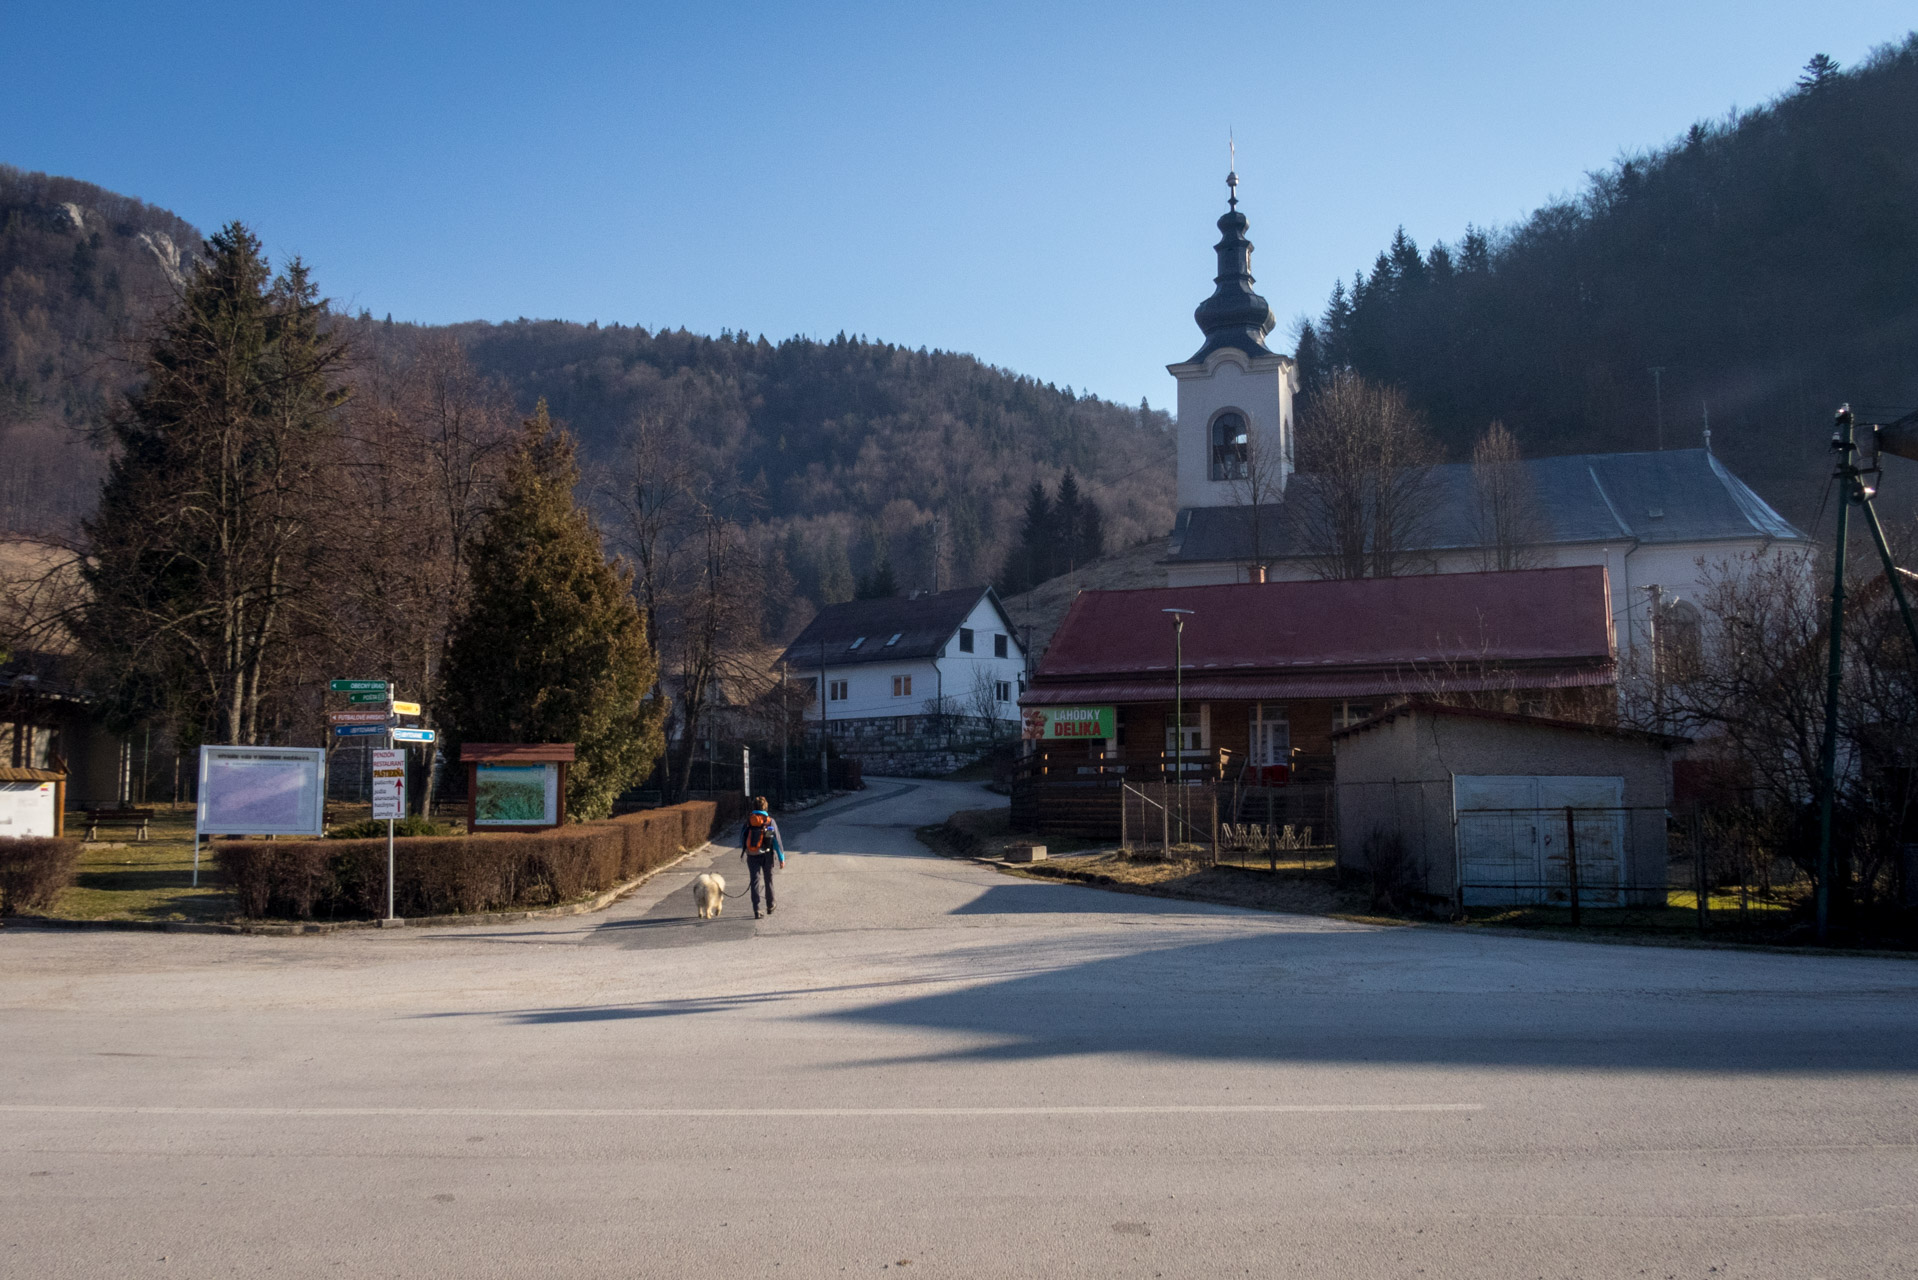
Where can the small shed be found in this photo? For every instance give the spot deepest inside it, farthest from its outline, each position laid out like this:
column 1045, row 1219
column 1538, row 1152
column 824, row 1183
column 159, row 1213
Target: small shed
column 1492, row 808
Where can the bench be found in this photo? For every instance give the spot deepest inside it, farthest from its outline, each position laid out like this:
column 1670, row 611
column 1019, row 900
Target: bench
column 118, row 817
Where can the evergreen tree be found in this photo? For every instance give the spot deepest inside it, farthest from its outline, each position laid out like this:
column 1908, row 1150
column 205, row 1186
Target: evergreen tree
column 1027, row 563
column 207, row 564
column 880, row 584
column 552, row 647
column 1068, row 515
column 836, row 584
column 1819, row 73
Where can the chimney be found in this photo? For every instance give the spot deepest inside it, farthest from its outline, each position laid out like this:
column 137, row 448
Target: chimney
column 1257, row 573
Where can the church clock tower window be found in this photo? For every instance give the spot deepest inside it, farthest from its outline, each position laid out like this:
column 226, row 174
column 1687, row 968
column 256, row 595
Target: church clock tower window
column 1229, row 446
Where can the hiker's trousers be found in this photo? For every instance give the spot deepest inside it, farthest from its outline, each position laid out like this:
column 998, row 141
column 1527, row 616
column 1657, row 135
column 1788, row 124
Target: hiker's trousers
column 759, row 866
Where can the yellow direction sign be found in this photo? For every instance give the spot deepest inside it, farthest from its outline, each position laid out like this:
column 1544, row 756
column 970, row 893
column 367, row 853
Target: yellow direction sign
column 406, row 708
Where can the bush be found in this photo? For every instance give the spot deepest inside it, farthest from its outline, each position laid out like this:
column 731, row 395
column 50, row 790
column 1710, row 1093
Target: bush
column 448, row 875
column 411, row 825
column 33, row 871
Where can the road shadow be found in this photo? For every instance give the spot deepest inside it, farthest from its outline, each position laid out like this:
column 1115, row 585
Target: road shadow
column 1036, row 897
column 1361, row 998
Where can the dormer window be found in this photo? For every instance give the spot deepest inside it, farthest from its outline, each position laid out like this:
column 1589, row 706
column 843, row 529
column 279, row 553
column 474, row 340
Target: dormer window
column 895, row 639
column 855, row 644
column 1230, row 446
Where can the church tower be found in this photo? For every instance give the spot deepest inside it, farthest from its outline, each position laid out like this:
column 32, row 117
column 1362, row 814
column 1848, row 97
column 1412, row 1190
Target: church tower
column 1235, row 395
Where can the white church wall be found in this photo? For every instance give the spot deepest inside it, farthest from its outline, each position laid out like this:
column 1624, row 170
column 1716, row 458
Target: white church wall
column 1260, row 389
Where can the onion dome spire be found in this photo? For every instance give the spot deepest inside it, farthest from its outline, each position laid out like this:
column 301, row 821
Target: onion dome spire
column 1234, row 316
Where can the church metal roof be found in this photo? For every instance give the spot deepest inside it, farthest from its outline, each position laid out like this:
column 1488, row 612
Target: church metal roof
column 1674, row 496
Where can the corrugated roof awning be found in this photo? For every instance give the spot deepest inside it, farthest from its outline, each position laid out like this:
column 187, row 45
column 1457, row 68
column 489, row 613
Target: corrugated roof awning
column 1278, row 688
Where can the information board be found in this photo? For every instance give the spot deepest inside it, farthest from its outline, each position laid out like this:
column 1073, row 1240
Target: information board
column 389, row 784
column 515, row 795
column 262, row 791
column 27, row 808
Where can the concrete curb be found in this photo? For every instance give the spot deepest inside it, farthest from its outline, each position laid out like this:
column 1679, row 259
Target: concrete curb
column 276, row 929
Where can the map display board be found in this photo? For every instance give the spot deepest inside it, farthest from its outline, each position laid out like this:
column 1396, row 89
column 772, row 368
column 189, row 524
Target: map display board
column 27, row 808
column 515, row 795
column 262, row 791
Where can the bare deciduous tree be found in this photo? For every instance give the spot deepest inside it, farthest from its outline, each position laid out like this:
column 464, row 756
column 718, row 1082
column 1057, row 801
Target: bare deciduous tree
column 1365, row 494
column 1506, row 522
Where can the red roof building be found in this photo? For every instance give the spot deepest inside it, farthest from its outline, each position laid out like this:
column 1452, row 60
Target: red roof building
column 1270, row 670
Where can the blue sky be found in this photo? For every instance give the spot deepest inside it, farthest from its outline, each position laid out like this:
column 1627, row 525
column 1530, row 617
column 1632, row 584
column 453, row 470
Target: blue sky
column 1033, row 184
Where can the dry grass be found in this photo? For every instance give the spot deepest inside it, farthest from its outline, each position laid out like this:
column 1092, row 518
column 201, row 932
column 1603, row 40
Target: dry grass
column 118, row 879
column 1260, row 890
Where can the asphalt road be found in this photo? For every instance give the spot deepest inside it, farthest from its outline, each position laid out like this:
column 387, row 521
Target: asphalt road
column 921, row 1064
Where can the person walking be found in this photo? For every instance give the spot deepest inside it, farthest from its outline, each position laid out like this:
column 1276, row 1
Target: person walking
column 759, row 845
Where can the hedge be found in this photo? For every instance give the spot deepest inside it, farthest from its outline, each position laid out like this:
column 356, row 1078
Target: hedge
column 33, row 871
column 448, row 875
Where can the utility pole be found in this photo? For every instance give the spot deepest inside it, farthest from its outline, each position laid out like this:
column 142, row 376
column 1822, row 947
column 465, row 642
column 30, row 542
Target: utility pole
column 1658, row 401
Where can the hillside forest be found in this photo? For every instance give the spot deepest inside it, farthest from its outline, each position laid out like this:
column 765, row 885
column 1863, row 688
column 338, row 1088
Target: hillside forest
column 1753, row 273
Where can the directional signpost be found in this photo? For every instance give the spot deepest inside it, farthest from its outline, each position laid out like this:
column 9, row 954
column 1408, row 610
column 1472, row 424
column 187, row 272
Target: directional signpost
column 389, row 802
column 375, row 714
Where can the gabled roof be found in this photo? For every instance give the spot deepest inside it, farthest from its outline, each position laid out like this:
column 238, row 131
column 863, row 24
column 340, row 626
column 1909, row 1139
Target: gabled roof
column 923, row 623
column 1679, row 495
column 1426, row 707
column 1534, row 628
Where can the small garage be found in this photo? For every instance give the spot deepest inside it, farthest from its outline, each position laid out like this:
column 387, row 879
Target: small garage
column 1487, row 808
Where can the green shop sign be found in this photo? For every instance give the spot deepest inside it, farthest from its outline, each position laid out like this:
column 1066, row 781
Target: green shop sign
column 1060, row 724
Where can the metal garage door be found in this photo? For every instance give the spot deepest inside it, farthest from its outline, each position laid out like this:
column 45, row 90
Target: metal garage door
column 1511, row 838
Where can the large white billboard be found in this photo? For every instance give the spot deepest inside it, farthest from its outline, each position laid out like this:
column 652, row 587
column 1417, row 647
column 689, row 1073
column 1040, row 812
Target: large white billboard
column 27, row 808
column 262, row 791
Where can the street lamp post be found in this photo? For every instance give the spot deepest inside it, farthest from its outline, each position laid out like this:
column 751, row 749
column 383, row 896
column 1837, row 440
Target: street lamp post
column 1178, row 706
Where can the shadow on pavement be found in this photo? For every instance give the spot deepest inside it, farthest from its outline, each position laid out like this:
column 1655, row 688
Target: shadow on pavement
column 1363, row 997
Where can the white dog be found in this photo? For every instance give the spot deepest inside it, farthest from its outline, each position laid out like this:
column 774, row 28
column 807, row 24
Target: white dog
column 709, row 891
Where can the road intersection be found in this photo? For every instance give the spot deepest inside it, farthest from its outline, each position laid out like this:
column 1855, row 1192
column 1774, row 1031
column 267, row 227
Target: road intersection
column 921, row 1061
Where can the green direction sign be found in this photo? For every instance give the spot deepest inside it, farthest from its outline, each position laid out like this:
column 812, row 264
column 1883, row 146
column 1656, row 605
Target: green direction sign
column 359, row 686
column 1071, row 724
column 368, row 696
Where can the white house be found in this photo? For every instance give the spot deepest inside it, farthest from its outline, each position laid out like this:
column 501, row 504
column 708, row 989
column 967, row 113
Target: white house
column 1661, row 523
column 914, row 684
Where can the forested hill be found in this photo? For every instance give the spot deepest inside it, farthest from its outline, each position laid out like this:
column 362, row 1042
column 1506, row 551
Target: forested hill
column 845, row 452
column 878, row 448
column 80, row 269
column 1766, row 262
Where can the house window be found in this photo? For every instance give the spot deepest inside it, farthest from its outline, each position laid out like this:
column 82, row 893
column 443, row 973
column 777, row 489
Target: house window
column 1193, row 736
column 965, row 639
column 999, row 646
column 1350, row 713
column 837, row 690
column 895, row 639
column 1002, row 690
column 1229, row 447
column 855, row 644
column 902, row 725
column 1271, row 735
column 902, row 686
